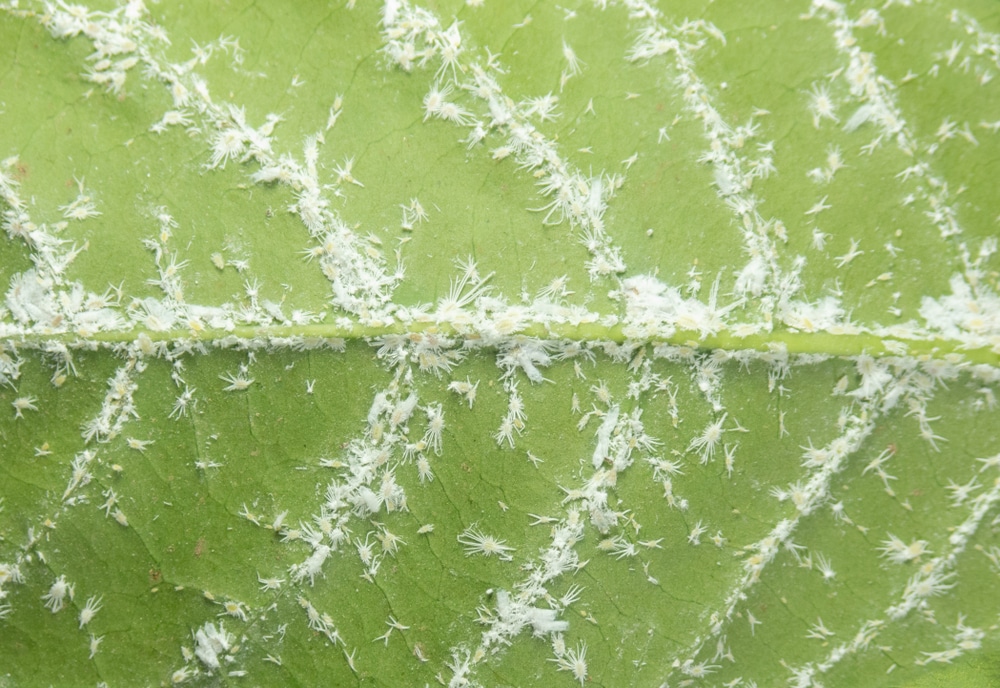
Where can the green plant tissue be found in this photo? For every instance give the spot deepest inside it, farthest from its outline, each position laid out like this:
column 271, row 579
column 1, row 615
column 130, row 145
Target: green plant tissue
column 500, row 343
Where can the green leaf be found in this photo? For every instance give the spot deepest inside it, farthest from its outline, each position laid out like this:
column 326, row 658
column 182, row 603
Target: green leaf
column 496, row 343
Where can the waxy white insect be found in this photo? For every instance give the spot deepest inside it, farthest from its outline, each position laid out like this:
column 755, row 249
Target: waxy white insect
column 90, row 609
column 22, row 404
column 238, row 382
column 476, row 542
column 55, row 598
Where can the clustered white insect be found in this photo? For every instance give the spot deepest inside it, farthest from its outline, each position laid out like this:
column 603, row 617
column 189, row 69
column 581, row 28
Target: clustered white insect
column 368, row 485
column 573, row 660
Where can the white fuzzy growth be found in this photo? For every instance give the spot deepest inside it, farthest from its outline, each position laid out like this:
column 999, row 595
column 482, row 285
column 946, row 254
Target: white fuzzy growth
column 476, row 542
column 863, row 114
column 818, row 316
column 582, row 200
column 414, row 37
column 900, row 552
column 604, row 436
column 380, row 405
column 211, row 643
column 821, row 104
column 435, row 425
column 55, row 598
column 514, row 614
column 709, row 439
column 367, row 500
column 654, row 308
column 118, row 406
column 311, row 567
column 90, row 610
column 403, row 410
column 466, row 389
column 81, row 474
column 21, row 404
column 964, row 313
column 574, row 660
column 874, row 377
column 424, row 471
column 10, row 573
column 238, row 382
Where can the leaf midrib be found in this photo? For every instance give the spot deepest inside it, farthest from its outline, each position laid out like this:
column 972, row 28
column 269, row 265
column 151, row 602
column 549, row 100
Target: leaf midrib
column 786, row 341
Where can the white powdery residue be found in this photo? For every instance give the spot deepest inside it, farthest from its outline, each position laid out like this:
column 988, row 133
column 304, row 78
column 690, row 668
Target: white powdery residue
column 934, row 578
column 40, row 298
column 80, row 475
column 414, row 37
column 466, row 291
column 118, row 406
column 320, row 622
column 655, row 309
column 356, row 269
column 878, row 107
column 982, row 44
column 821, row 315
column 877, row 395
column 173, row 310
column 33, row 301
column 476, row 542
column 413, row 214
column 18, row 224
column 9, row 573
column 877, row 466
column 10, row 360
column 327, row 531
column 512, row 614
column 574, row 65
column 865, row 83
column 619, row 437
column 706, row 374
column 964, row 639
column 160, row 315
column 971, row 313
column 82, row 207
column 435, row 426
column 601, row 450
column 366, row 485
column 875, row 375
column 433, row 353
column 123, row 39
column 213, row 645
column 708, row 441
column 519, row 610
column 734, row 171
column 526, row 354
column 354, row 266
column 488, row 321
column 466, row 389
column 514, row 420
column 90, row 609
column 824, row 175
